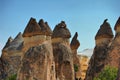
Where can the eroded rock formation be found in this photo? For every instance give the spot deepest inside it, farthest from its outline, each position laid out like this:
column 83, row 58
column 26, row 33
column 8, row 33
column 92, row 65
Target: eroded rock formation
column 118, row 74
column 62, row 52
column 3, row 74
column 35, row 34
column 97, row 62
column 38, row 61
column 11, row 55
column 76, row 61
column 114, row 50
column 33, row 55
column 38, row 64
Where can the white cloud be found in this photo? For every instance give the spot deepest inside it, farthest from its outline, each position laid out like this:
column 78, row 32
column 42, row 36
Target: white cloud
column 87, row 52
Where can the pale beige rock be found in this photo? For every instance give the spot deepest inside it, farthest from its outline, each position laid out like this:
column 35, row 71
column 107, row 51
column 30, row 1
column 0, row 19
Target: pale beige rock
column 114, row 50
column 62, row 53
column 38, row 64
column 74, row 46
column 11, row 55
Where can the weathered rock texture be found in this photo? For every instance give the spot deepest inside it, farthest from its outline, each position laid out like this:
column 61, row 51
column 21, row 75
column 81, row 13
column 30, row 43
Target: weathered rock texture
column 32, row 28
column 118, row 74
column 61, row 31
column 2, row 71
column 62, row 52
column 114, row 50
column 11, row 55
column 33, row 55
column 84, row 60
column 97, row 61
column 76, row 61
column 34, row 33
column 38, row 64
column 45, row 29
column 117, row 26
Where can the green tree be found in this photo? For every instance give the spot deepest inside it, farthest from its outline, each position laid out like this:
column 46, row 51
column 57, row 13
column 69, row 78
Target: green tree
column 108, row 73
column 13, row 77
column 76, row 67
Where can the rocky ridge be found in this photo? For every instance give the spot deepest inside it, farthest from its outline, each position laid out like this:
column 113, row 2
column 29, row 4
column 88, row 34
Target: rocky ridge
column 106, row 51
column 39, row 51
column 103, row 38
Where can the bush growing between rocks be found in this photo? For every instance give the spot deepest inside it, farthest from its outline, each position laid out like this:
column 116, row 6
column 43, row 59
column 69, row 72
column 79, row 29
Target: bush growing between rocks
column 13, row 77
column 108, row 73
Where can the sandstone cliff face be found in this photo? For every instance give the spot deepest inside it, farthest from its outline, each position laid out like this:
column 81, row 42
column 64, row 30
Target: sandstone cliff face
column 38, row 61
column 38, row 64
column 62, row 52
column 32, row 28
column 76, row 61
column 33, row 55
column 45, row 29
column 61, row 30
column 114, row 50
column 2, row 71
column 11, row 55
column 97, row 61
column 8, row 42
column 34, row 33
column 118, row 74
column 84, row 60
column 117, row 26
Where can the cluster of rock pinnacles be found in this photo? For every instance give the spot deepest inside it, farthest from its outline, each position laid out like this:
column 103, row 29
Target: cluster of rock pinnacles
column 42, row 54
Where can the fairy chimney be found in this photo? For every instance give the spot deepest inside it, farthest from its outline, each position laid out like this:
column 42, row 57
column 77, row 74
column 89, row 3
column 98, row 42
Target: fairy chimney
column 104, row 34
column 117, row 26
column 12, row 54
column 62, row 52
column 76, row 61
column 97, row 61
column 36, row 33
column 114, row 50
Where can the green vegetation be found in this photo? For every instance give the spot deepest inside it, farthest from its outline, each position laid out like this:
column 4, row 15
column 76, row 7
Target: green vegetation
column 108, row 73
column 76, row 67
column 13, row 77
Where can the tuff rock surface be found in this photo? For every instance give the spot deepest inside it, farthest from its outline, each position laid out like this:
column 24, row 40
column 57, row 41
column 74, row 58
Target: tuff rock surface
column 38, row 64
column 62, row 53
column 11, row 55
column 97, row 62
column 114, row 50
column 33, row 55
column 76, row 60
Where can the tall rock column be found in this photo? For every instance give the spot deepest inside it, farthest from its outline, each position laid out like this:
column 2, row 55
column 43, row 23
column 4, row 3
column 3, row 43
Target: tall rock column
column 97, row 61
column 114, row 50
column 11, row 55
column 38, row 61
column 76, row 61
column 62, row 52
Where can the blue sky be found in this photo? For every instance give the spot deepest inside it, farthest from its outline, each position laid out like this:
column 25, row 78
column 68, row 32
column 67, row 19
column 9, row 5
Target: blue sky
column 82, row 16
